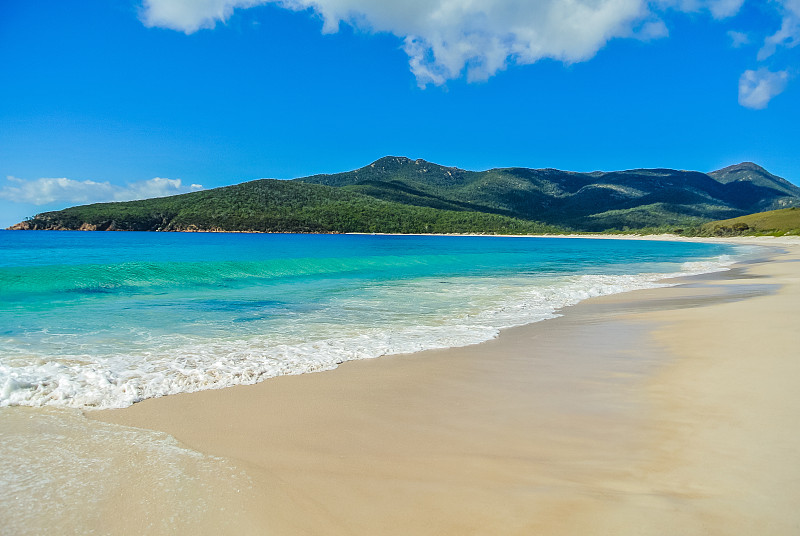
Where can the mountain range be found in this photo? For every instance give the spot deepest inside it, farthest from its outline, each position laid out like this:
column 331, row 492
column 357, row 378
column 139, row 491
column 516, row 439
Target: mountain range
column 397, row 194
column 581, row 201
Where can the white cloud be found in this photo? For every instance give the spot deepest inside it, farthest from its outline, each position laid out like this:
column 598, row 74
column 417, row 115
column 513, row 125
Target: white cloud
column 789, row 33
column 724, row 8
column 738, row 39
column 447, row 39
column 46, row 190
column 756, row 88
column 189, row 15
column 155, row 187
column 720, row 9
column 450, row 39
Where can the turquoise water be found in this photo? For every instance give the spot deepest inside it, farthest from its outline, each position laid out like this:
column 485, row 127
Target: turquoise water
column 93, row 320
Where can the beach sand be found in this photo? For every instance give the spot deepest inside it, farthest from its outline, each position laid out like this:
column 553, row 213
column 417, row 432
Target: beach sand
column 664, row 411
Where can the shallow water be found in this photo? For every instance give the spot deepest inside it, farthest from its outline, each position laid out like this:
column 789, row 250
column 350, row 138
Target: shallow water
column 63, row 473
column 92, row 320
column 99, row 320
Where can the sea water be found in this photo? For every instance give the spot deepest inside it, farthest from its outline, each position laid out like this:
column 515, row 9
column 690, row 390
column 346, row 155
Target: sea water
column 103, row 320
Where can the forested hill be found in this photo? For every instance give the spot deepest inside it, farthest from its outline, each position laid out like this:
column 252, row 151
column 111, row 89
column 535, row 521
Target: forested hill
column 583, row 201
column 269, row 205
column 400, row 195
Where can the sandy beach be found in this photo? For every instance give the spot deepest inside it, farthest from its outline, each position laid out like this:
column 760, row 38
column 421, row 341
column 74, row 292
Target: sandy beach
column 663, row 411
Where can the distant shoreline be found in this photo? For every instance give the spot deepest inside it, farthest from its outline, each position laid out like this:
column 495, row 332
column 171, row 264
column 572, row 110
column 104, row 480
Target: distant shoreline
column 749, row 239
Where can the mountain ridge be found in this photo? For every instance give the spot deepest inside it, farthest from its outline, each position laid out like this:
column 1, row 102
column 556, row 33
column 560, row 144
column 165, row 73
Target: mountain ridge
column 391, row 193
column 574, row 199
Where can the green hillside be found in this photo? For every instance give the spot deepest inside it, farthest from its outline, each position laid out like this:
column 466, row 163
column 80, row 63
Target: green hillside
column 748, row 172
column 583, row 201
column 400, row 195
column 774, row 222
column 278, row 206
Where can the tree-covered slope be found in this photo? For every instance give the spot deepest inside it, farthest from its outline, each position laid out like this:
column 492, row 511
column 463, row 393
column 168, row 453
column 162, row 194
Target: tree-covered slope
column 277, row 206
column 748, row 181
column 583, row 201
column 756, row 175
column 400, row 195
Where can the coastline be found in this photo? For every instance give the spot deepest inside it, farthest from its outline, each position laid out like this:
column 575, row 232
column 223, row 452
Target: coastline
column 566, row 234
column 597, row 421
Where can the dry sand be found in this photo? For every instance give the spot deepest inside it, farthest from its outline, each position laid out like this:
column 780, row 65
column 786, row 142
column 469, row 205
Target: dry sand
column 666, row 411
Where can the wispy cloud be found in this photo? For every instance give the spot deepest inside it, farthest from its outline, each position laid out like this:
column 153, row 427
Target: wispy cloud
column 738, row 39
column 719, row 9
column 756, row 88
column 46, row 191
column 789, row 33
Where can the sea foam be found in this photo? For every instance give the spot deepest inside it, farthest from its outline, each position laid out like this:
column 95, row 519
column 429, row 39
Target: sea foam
column 175, row 364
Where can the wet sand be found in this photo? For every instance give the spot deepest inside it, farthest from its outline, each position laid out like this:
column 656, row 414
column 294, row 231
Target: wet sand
column 665, row 411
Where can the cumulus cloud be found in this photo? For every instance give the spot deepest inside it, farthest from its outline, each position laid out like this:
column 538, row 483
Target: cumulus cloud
column 756, row 88
column 62, row 190
column 446, row 39
column 190, row 15
column 724, row 8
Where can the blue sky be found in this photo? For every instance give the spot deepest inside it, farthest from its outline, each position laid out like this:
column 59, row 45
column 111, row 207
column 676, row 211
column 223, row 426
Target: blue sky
column 120, row 99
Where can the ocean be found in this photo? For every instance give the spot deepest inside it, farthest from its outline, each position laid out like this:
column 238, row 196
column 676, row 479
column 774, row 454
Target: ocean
column 103, row 320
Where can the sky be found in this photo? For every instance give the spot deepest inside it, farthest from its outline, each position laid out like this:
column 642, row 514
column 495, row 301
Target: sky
column 105, row 100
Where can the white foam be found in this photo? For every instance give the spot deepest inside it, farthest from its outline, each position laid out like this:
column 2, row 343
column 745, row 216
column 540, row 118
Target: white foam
column 120, row 380
column 707, row 266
